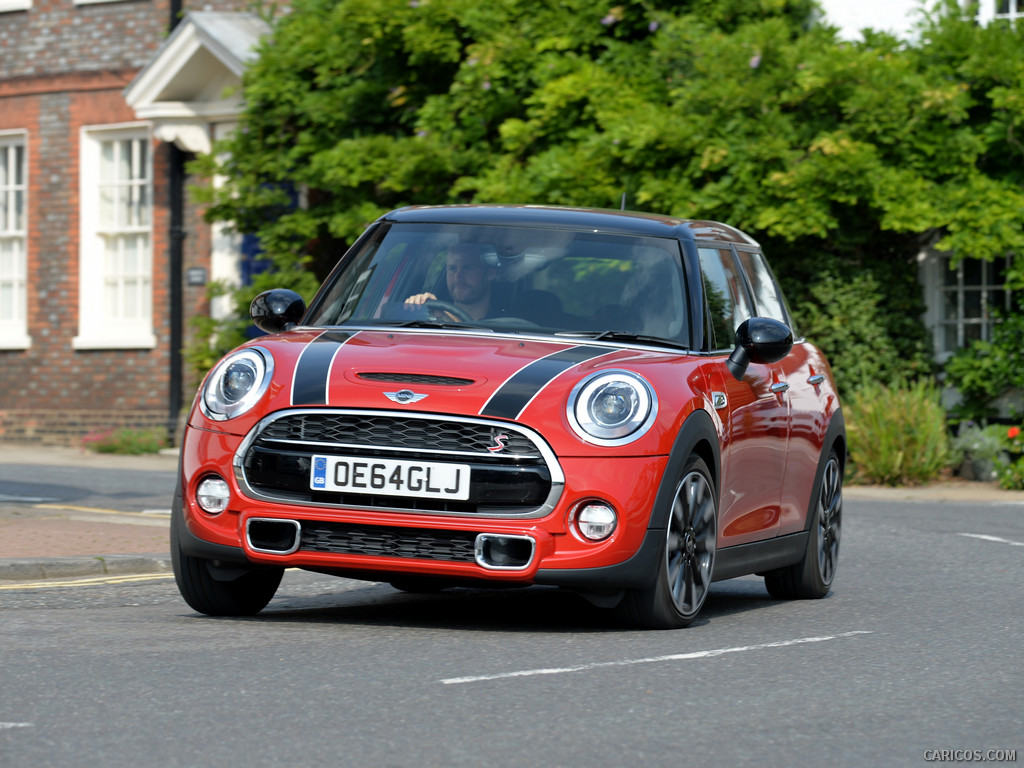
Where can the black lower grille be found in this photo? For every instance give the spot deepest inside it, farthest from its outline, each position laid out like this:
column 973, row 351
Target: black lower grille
column 380, row 541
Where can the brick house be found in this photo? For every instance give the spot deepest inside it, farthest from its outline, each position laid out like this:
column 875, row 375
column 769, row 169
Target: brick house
column 103, row 260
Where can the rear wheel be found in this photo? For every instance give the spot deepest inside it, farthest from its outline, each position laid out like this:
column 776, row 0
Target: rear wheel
column 688, row 556
column 812, row 577
column 221, row 590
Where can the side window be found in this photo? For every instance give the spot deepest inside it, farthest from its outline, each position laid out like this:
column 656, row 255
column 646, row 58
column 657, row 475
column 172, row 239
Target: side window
column 767, row 295
column 726, row 296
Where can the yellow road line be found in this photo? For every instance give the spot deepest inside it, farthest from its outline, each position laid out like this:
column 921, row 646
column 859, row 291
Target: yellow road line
column 96, row 580
column 93, row 510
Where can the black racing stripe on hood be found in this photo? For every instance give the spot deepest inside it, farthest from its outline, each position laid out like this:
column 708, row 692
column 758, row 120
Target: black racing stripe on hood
column 516, row 393
column 309, row 386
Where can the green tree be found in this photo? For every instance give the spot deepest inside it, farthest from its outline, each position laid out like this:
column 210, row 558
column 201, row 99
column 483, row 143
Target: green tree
column 844, row 159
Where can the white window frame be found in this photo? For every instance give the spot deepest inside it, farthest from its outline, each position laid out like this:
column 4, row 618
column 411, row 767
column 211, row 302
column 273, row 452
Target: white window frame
column 105, row 288
column 989, row 11
column 15, row 5
column 941, row 294
column 14, row 242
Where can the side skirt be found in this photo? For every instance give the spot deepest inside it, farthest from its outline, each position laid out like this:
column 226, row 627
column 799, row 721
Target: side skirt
column 759, row 556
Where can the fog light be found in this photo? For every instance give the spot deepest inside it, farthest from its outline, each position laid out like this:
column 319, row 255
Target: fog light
column 213, row 495
column 596, row 521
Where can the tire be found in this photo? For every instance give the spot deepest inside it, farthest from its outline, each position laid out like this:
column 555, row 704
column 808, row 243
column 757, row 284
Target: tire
column 227, row 591
column 812, row 577
column 686, row 566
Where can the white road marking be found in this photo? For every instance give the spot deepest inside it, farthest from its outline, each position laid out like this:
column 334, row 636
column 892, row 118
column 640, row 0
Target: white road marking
column 996, row 539
column 650, row 660
column 8, row 726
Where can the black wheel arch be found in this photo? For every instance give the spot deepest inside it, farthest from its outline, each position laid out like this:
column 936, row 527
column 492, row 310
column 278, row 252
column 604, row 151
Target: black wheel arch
column 835, row 438
column 697, row 436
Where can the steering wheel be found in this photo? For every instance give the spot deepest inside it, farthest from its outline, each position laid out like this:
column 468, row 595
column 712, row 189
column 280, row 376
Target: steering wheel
column 439, row 308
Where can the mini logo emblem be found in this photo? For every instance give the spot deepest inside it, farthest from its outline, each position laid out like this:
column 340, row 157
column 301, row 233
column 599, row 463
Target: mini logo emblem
column 404, row 396
column 499, row 443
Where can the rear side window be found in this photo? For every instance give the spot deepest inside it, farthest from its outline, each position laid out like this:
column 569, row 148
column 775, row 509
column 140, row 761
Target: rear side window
column 726, row 296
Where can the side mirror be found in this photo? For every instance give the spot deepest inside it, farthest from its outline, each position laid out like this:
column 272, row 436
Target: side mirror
column 759, row 340
column 277, row 310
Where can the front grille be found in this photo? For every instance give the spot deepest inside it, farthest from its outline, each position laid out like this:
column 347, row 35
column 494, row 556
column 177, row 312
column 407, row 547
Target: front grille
column 379, row 541
column 512, row 472
column 390, row 431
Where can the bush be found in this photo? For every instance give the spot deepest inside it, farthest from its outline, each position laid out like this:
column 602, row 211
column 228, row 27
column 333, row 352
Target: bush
column 1010, row 468
column 126, row 441
column 897, row 434
column 859, row 327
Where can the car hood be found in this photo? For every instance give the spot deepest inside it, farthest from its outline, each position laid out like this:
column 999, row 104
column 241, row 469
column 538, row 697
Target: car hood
column 449, row 372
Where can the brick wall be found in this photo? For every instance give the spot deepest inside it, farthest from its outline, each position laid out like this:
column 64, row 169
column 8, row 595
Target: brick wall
column 65, row 66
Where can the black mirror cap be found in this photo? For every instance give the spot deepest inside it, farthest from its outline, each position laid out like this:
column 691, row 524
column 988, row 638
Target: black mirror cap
column 759, row 340
column 277, row 310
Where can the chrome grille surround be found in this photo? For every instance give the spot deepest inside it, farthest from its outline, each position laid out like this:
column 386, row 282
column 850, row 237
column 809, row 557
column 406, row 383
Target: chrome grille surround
column 326, row 430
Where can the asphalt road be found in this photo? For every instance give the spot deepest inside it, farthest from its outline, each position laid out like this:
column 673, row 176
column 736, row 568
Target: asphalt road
column 138, row 489
column 918, row 649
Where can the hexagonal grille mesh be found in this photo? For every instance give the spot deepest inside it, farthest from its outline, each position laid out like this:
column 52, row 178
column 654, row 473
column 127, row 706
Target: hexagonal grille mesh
column 420, row 543
column 387, row 431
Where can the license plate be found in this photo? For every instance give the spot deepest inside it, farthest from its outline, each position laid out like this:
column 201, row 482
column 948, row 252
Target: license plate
column 390, row 477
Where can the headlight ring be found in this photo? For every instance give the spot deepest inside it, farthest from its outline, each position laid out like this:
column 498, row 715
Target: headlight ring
column 237, row 383
column 612, row 407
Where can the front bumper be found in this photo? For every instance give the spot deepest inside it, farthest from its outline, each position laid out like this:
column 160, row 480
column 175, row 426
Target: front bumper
column 375, row 542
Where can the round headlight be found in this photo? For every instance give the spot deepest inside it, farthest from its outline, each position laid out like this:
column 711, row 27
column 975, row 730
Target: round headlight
column 612, row 408
column 236, row 383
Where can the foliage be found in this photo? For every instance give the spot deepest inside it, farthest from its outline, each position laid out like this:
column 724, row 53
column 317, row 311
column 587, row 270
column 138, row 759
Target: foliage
column 986, row 370
column 844, row 159
column 983, row 447
column 846, row 318
column 897, row 434
column 126, row 441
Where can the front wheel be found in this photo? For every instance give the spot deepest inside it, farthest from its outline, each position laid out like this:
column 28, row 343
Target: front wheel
column 221, row 591
column 812, row 577
column 688, row 556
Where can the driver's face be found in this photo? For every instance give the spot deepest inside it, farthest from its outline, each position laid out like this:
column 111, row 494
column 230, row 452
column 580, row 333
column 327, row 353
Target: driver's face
column 469, row 280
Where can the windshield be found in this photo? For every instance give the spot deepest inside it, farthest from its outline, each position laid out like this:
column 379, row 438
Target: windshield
column 520, row 279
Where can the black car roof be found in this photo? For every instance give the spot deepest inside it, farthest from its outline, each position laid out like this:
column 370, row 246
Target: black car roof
column 596, row 219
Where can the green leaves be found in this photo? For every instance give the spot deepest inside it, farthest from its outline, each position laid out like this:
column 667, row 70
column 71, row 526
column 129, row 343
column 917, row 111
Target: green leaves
column 739, row 111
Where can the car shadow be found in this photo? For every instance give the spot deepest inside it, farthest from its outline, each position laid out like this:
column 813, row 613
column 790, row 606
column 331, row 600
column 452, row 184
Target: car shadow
column 527, row 609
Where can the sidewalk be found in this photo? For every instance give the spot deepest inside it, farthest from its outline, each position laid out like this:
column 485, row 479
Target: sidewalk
column 55, row 541
column 48, row 541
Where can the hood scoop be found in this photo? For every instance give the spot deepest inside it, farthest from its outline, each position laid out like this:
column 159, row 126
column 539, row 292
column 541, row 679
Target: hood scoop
column 416, row 378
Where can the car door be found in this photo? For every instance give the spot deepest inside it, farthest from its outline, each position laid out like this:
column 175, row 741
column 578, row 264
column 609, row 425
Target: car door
column 801, row 373
column 754, row 411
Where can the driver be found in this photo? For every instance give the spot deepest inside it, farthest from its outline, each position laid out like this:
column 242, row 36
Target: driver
column 469, row 281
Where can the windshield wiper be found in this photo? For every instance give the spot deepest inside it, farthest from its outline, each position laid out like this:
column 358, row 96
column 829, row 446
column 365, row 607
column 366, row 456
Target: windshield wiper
column 624, row 336
column 436, row 324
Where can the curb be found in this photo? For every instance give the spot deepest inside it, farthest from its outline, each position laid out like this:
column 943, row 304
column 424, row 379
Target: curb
column 42, row 568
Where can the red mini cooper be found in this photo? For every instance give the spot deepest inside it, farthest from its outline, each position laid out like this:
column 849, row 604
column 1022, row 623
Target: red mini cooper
column 512, row 395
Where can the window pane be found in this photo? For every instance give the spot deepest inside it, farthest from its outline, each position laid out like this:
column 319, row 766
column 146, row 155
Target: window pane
column 766, row 295
column 972, row 304
column 972, row 272
column 726, row 295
